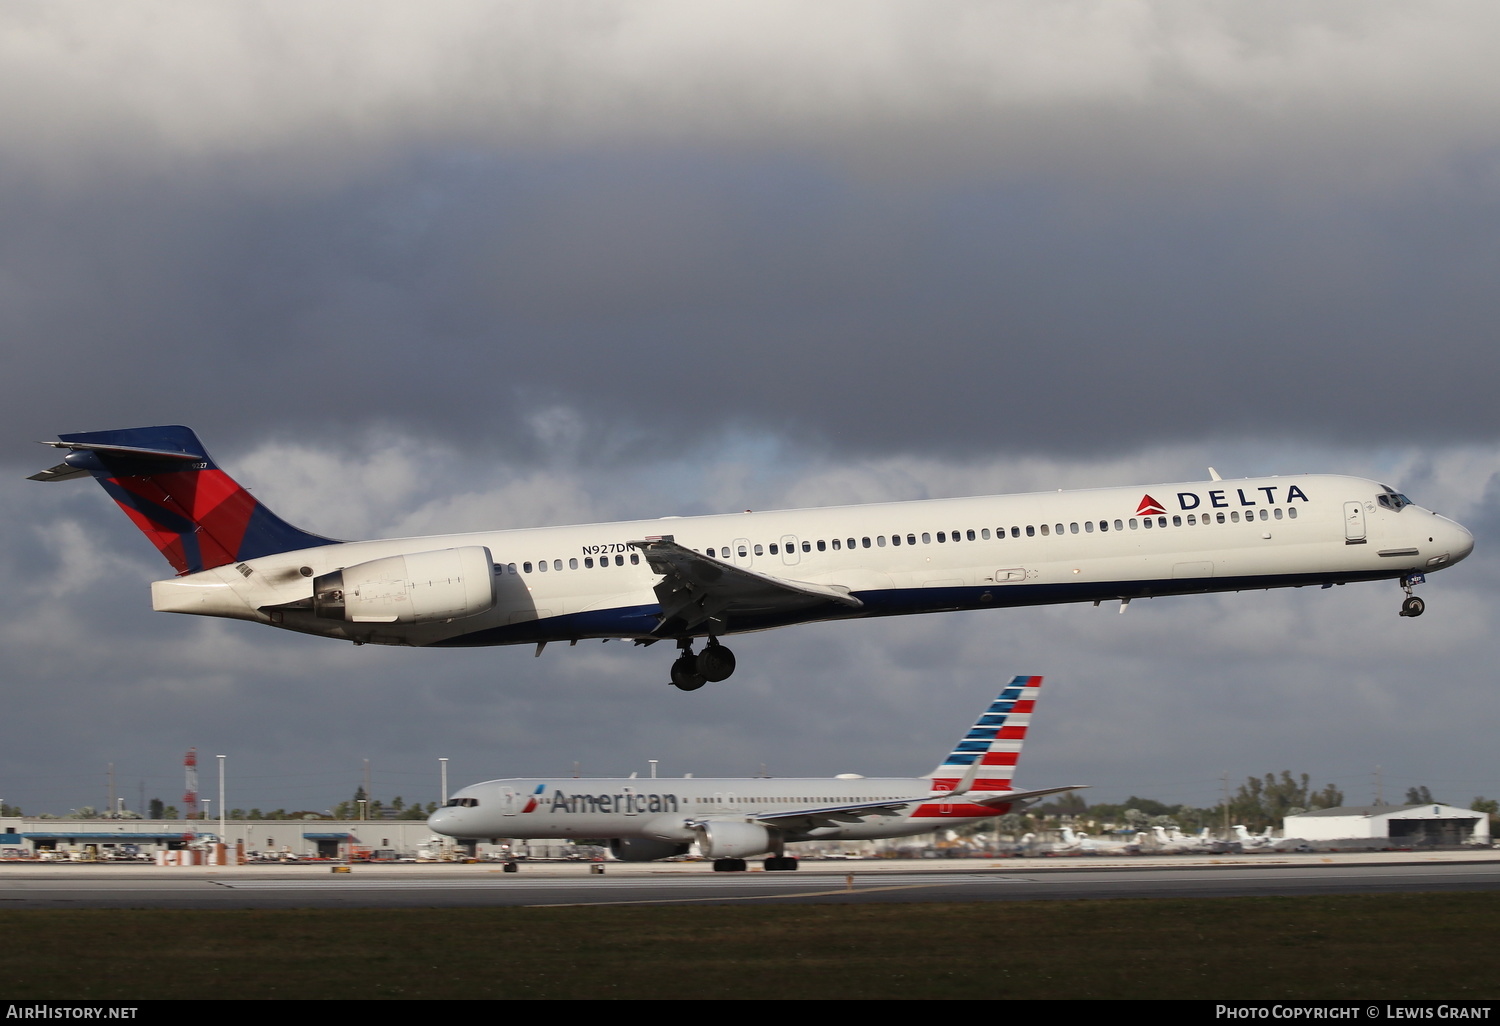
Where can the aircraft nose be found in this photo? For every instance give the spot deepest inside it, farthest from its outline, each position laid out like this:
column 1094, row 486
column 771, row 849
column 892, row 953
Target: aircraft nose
column 1454, row 538
column 440, row 819
column 1463, row 541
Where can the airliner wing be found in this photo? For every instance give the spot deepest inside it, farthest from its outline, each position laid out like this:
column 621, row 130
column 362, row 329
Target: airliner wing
column 696, row 588
column 841, row 815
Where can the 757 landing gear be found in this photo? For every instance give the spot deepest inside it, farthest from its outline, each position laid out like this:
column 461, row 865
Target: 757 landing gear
column 1411, row 605
column 690, row 672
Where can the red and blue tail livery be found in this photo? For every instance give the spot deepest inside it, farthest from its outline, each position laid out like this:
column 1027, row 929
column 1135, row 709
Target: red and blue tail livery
column 196, row 515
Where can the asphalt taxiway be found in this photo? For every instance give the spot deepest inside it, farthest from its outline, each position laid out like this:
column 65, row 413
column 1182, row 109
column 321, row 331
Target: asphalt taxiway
column 72, row 885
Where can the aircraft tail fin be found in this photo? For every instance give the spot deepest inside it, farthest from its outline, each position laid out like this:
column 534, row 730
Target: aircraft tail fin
column 985, row 758
column 165, row 481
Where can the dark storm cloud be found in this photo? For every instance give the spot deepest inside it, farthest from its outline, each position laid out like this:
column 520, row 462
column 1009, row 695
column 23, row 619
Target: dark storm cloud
column 679, row 295
column 1047, row 232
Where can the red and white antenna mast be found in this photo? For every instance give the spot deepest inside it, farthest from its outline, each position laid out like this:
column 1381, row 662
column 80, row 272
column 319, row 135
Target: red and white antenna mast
column 190, row 795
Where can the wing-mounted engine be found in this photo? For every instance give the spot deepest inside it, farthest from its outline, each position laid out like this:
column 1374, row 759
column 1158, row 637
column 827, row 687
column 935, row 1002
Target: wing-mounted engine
column 719, row 839
column 416, row 587
column 644, row 849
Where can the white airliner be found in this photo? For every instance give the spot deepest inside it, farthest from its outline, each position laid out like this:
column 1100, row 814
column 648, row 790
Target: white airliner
column 731, row 820
column 683, row 579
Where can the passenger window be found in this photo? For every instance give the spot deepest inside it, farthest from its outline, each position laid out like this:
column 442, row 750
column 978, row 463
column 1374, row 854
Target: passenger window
column 985, row 534
column 1192, row 519
column 1277, row 513
column 807, row 546
column 1219, row 517
column 1045, row 532
column 836, row 545
column 896, row 540
column 1161, row 521
column 1146, row 523
column 1088, row 527
column 542, row 566
column 588, row 561
column 911, row 539
column 635, row 559
column 1073, row 527
column 1177, row 521
column 526, row 567
column 941, row 538
column 880, row 540
column 1015, row 532
column 926, row 538
column 1119, row 526
column 619, row 561
column 1265, row 515
column 1132, row 523
column 970, row 534
column 866, row 542
column 1291, row 512
column 1234, row 516
column 1104, row 525
column 557, row 564
column 774, row 550
column 743, row 551
column 759, row 550
column 1030, row 531
column 573, row 563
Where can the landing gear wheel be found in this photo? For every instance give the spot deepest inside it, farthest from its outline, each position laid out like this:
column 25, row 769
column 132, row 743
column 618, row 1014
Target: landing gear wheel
column 1412, row 606
column 715, row 662
column 780, row 864
column 729, row 865
column 685, row 675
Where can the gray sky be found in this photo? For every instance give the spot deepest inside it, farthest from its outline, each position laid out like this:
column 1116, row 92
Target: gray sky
column 482, row 265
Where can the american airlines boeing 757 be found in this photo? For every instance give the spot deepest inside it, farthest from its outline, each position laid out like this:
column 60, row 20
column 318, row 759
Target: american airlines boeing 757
column 731, row 820
column 691, row 579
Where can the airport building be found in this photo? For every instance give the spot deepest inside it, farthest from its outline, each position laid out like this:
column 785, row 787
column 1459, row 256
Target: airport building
column 1390, row 826
column 130, row 838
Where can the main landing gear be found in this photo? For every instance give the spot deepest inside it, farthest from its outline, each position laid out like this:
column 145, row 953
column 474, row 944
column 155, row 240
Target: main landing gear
column 690, row 672
column 1411, row 605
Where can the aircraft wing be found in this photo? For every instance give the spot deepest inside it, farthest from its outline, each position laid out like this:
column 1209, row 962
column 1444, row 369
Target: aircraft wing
column 842, row 815
column 696, row 589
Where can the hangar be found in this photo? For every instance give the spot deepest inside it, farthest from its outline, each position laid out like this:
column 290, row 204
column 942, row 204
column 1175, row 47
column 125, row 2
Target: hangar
column 1391, row 826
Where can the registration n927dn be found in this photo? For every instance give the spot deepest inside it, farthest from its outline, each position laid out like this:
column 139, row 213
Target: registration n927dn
column 692, row 580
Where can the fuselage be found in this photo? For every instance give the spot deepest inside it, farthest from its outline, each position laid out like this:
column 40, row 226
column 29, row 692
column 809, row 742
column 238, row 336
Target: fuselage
column 590, row 581
column 663, row 809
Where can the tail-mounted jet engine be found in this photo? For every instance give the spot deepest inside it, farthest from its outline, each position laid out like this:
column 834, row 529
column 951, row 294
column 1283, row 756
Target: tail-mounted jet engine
column 417, row 587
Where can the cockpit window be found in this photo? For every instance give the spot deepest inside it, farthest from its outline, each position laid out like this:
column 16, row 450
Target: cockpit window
column 1392, row 499
column 462, row 803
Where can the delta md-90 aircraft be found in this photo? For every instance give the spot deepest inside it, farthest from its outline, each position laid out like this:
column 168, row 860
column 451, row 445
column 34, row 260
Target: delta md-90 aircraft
column 691, row 579
column 731, row 820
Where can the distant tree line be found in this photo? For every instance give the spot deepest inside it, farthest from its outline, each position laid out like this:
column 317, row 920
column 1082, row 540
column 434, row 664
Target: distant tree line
column 1258, row 803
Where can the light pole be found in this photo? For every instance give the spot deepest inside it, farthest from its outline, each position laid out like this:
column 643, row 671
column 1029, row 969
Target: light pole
column 221, row 797
column 443, row 789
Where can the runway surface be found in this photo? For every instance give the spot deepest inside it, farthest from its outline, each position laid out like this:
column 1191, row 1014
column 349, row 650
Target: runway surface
column 71, row 885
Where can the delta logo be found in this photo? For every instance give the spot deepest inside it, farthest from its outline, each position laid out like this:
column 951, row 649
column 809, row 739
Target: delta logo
column 1149, row 505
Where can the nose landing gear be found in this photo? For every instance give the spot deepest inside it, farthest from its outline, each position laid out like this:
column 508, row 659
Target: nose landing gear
column 1411, row 605
column 691, row 671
